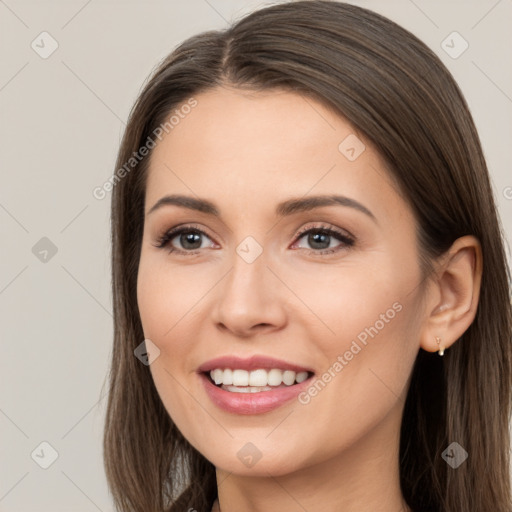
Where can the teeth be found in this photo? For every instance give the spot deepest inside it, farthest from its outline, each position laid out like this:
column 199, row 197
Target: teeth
column 240, row 378
column 301, row 377
column 256, row 378
column 289, row 377
column 227, row 376
column 217, row 376
column 275, row 377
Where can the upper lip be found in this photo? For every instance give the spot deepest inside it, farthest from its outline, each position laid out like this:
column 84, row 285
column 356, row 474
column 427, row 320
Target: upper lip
column 252, row 363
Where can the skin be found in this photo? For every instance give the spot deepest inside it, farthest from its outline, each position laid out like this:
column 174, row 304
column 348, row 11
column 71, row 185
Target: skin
column 247, row 152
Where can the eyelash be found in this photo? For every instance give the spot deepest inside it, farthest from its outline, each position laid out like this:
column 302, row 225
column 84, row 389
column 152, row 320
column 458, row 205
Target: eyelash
column 165, row 239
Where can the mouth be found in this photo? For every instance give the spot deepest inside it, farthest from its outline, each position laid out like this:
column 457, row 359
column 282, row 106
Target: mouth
column 255, row 384
column 231, row 390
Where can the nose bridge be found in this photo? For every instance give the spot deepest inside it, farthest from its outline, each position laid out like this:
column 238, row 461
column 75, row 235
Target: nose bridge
column 248, row 278
column 249, row 295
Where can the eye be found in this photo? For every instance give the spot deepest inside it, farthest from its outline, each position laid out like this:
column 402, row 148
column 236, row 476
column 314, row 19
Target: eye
column 188, row 236
column 320, row 237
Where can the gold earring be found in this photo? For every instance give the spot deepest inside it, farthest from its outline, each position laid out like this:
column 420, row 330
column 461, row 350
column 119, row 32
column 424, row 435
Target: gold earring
column 441, row 349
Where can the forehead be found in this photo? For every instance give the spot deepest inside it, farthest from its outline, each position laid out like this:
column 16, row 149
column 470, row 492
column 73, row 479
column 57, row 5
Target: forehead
column 237, row 122
column 253, row 147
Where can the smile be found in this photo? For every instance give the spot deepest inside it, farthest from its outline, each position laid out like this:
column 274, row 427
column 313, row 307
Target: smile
column 246, row 395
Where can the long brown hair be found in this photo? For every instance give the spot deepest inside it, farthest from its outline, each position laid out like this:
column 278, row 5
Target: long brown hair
column 398, row 94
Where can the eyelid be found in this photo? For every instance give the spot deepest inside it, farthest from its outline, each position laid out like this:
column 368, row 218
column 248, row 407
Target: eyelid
column 325, row 227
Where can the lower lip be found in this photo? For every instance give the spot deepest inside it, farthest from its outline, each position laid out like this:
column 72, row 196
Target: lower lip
column 252, row 403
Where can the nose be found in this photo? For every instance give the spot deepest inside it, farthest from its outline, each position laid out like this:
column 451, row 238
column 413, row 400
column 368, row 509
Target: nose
column 250, row 299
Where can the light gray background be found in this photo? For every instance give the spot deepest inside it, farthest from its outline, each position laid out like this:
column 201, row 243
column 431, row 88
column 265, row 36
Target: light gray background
column 61, row 122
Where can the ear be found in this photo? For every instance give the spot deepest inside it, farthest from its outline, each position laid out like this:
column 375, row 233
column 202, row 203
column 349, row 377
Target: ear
column 452, row 297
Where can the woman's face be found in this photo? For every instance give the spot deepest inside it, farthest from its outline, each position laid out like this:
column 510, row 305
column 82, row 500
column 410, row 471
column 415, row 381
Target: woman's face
column 260, row 279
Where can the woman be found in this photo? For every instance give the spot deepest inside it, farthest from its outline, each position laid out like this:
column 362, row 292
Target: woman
column 369, row 372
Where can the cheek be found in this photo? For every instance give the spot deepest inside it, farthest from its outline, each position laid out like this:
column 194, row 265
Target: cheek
column 351, row 302
column 366, row 329
column 162, row 303
column 166, row 301
column 163, row 298
column 367, row 366
column 152, row 303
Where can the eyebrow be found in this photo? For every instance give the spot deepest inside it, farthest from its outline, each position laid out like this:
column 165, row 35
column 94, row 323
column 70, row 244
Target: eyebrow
column 286, row 208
